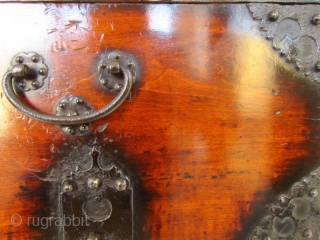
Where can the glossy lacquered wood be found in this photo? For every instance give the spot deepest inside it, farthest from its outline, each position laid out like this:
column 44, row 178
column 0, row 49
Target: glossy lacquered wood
column 216, row 127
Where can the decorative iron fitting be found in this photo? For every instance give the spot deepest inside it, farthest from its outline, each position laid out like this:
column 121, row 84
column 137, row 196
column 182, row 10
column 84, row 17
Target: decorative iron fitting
column 294, row 32
column 89, row 185
column 295, row 215
column 117, row 73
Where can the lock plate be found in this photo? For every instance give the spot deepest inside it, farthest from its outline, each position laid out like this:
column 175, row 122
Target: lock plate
column 95, row 197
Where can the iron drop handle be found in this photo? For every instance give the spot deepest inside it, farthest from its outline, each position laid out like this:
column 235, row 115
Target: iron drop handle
column 20, row 71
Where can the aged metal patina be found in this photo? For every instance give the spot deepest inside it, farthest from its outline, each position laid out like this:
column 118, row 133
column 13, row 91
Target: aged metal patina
column 293, row 31
column 31, row 75
column 28, row 71
column 108, row 69
column 74, row 106
column 295, row 215
column 90, row 187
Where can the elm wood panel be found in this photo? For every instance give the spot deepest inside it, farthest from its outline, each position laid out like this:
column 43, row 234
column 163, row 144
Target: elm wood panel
column 199, row 129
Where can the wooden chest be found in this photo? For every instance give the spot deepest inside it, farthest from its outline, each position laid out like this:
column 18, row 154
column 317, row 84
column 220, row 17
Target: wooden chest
column 177, row 120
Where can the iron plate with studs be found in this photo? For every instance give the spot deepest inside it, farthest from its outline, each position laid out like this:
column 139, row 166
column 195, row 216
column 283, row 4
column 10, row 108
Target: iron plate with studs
column 295, row 215
column 98, row 190
column 293, row 31
column 108, row 73
column 29, row 71
column 74, row 106
column 91, row 188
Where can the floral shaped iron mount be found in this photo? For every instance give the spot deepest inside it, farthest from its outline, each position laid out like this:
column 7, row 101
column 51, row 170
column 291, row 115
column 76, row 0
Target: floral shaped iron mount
column 117, row 72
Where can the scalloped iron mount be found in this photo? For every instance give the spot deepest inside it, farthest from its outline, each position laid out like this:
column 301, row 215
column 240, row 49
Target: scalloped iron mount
column 294, row 31
column 295, row 215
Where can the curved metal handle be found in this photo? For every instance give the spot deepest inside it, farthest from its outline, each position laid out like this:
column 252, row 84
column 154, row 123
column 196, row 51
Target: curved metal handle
column 21, row 70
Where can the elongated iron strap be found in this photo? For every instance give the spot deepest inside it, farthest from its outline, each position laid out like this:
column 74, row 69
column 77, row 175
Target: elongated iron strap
column 8, row 89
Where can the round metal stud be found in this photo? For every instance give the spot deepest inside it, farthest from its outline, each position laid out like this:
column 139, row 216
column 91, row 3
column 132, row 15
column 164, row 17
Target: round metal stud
column 35, row 84
column 121, row 185
column 130, row 64
column 22, row 85
column 283, row 53
column 104, row 82
column 284, row 200
column 19, row 59
column 93, row 182
column 62, row 105
column 69, row 130
column 273, row 15
column 118, row 87
column 84, row 128
column 307, row 233
column 313, row 192
column 315, row 19
column 79, row 101
column 42, row 71
column 34, row 58
column 103, row 65
column 67, row 187
column 117, row 55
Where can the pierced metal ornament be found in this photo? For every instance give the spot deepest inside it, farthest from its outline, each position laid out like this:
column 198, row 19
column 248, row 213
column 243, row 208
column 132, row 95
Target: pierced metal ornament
column 295, row 215
column 29, row 71
column 74, row 106
column 294, row 32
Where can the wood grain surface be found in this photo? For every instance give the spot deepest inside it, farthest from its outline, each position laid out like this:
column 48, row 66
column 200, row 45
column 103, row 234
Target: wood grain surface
column 216, row 127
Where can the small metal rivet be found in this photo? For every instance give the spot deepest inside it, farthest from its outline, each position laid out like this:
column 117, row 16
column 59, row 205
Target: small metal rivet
column 121, row 185
column 19, row 59
column 22, row 85
column 317, row 66
column 35, row 84
column 93, row 182
column 313, row 192
column 273, row 15
column 34, row 58
column 62, row 105
column 67, row 187
column 283, row 200
column 103, row 66
column 117, row 55
column 104, row 82
column 307, row 233
column 283, row 53
column 316, row 19
column 42, row 71
column 79, row 101
column 69, row 130
column 118, row 87
column 129, row 64
column 84, row 128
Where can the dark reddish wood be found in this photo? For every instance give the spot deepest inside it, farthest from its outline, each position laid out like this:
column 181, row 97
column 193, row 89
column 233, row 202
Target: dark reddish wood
column 200, row 129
